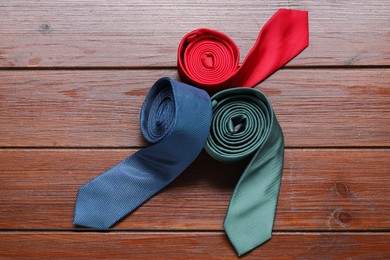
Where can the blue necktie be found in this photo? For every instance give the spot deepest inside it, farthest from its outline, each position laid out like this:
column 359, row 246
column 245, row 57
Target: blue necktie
column 176, row 119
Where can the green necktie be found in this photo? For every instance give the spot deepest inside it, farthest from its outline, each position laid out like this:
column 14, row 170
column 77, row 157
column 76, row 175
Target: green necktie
column 244, row 125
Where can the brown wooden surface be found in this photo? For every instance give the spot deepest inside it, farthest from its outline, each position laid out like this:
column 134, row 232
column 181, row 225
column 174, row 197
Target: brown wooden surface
column 200, row 245
column 321, row 190
column 316, row 107
column 74, row 73
column 78, row 33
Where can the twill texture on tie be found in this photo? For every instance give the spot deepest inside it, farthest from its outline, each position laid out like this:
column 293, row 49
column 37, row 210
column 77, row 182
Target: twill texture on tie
column 175, row 118
column 210, row 59
column 244, row 126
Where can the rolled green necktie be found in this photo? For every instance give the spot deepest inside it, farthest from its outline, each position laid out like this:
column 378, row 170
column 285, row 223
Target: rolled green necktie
column 244, row 125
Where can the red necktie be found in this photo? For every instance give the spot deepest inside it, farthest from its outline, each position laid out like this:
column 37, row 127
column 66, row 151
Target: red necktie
column 209, row 59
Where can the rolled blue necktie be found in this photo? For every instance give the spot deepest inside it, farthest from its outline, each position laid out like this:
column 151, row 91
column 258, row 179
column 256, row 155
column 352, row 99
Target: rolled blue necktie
column 175, row 118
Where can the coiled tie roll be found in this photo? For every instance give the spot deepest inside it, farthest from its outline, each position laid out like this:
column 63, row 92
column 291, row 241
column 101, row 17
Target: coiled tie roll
column 210, row 59
column 175, row 118
column 244, row 125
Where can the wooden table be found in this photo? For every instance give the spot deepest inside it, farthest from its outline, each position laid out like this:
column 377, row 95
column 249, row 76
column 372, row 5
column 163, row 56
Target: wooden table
column 73, row 77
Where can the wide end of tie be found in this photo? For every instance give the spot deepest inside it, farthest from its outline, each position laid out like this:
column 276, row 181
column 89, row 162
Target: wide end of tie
column 298, row 25
column 246, row 239
column 88, row 214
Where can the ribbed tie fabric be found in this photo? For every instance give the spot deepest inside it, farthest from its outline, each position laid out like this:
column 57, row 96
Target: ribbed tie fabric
column 244, row 125
column 176, row 118
column 210, row 59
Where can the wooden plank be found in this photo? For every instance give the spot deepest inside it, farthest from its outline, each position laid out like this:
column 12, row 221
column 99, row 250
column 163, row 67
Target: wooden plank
column 209, row 245
column 332, row 107
column 133, row 33
column 331, row 189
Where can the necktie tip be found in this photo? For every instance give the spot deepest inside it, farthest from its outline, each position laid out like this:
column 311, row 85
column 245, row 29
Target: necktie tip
column 245, row 248
column 87, row 216
column 81, row 222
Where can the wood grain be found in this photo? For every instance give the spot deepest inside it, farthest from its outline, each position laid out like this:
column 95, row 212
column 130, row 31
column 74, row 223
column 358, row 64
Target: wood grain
column 185, row 245
column 73, row 76
column 126, row 33
column 100, row 108
column 334, row 189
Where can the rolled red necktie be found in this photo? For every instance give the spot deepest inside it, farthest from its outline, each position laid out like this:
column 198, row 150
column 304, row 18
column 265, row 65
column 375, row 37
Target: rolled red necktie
column 210, row 59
